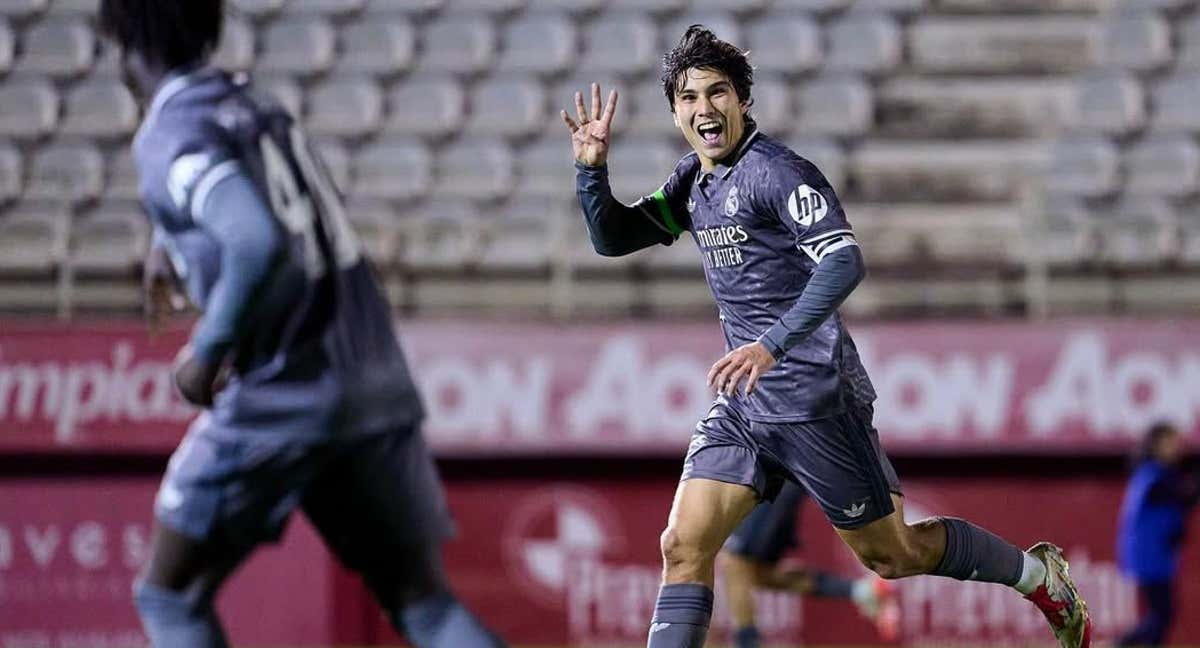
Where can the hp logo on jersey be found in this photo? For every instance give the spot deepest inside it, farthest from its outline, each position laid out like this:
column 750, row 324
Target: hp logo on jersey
column 807, row 205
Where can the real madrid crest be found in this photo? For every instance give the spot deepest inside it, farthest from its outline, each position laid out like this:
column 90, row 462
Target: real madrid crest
column 731, row 202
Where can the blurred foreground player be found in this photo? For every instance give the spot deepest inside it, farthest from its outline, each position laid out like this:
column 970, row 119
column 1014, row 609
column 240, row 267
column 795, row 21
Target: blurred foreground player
column 750, row 560
column 1153, row 518
column 318, row 409
column 779, row 257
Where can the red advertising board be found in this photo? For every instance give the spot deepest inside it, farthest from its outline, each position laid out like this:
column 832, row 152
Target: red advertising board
column 1075, row 386
column 548, row 564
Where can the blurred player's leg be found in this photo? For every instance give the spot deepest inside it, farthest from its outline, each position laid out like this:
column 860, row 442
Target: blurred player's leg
column 381, row 508
column 704, row 513
column 740, row 577
column 1156, row 620
column 174, row 595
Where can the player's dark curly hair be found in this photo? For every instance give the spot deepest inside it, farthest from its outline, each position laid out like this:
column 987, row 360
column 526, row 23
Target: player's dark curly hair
column 700, row 48
column 171, row 33
column 1148, row 446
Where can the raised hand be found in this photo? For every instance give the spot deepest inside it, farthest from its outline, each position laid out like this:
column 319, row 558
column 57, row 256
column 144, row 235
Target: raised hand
column 590, row 135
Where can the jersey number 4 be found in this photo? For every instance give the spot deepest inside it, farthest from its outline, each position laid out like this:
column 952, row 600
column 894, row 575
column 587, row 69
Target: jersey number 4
column 298, row 203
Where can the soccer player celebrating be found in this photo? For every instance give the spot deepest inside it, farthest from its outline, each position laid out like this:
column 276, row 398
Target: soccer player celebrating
column 307, row 395
column 794, row 402
column 751, row 560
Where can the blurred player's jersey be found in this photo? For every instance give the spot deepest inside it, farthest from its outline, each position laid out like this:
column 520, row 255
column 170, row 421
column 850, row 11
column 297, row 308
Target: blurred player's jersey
column 762, row 224
column 318, row 353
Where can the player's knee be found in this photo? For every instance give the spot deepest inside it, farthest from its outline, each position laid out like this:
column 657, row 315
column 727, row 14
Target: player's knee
column 681, row 551
column 887, row 562
column 157, row 604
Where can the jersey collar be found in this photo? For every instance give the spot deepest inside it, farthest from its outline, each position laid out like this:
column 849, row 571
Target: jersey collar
column 725, row 166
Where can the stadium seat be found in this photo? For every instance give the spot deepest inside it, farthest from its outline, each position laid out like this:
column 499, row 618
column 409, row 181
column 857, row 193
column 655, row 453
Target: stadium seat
column 378, row 46
column 644, row 109
column 638, row 168
column 722, row 23
column 378, row 230
column 621, row 44
column 834, row 105
column 825, row 153
column 101, row 108
column 1135, row 41
column 570, row 6
column 395, row 169
column 680, row 257
column 461, row 44
column 475, row 169
column 772, row 109
column 284, row 90
column 236, row 51
column 389, row 7
column 547, row 169
column 942, row 171
column 11, row 175
column 74, row 7
column 345, row 106
column 1110, row 103
column 1188, row 53
column 327, row 7
column 508, row 106
column 523, row 235
column 336, row 159
column 33, row 238
column 1138, row 232
column 1064, row 233
column 908, row 106
column 7, row 45
column 298, row 45
column 1189, row 236
column 649, row 6
column 484, row 6
column 427, row 105
column 815, row 6
column 1021, row 6
column 258, row 8
column 110, row 239
column 57, row 47
column 121, row 175
column 66, row 173
column 861, row 42
column 539, row 43
column 28, row 109
column 1002, row 44
column 1165, row 166
column 1084, row 166
column 1175, row 100
column 975, row 235
column 785, row 43
column 730, row 5
column 22, row 8
column 444, row 235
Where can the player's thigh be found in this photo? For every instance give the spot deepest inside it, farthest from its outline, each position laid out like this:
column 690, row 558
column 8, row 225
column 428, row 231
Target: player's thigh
column 180, row 563
column 702, row 516
column 841, row 465
column 228, row 492
column 770, row 529
column 882, row 538
column 381, row 508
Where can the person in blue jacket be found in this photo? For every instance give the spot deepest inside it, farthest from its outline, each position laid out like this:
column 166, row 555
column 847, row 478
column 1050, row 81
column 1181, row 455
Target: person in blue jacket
column 1153, row 517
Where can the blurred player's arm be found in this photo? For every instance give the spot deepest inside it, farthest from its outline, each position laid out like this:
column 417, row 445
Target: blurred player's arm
column 615, row 228
column 237, row 216
column 160, row 285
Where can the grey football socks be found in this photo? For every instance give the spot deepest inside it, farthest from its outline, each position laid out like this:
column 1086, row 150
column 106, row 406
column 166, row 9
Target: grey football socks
column 174, row 619
column 681, row 616
column 747, row 637
column 831, row 585
column 440, row 621
column 973, row 553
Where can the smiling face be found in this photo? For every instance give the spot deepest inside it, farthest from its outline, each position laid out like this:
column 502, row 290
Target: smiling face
column 709, row 113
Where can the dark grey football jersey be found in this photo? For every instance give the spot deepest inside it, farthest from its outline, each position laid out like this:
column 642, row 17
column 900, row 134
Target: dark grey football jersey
column 318, row 351
column 762, row 225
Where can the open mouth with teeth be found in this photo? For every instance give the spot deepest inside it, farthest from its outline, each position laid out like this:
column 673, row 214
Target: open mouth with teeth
column 710, row 132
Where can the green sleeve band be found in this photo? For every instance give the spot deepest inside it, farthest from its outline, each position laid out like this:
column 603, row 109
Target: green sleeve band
column 660, row 199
